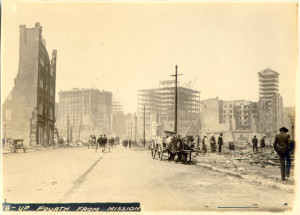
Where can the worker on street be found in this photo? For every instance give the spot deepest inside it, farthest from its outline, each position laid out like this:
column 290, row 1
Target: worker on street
column 204, row 144
column 254, row 142
column 263, row 143
column 282, row 146
column 212, row 143
column 220, row 142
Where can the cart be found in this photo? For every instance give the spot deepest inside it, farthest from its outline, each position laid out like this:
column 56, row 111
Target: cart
column 16, row 144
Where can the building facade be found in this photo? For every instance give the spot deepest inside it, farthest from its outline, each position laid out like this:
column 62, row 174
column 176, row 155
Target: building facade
column 118, row 119
column 84, row 112
column 29, row 110
column 235, row 119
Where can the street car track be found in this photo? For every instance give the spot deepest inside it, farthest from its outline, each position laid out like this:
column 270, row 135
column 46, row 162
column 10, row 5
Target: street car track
column 79, row 180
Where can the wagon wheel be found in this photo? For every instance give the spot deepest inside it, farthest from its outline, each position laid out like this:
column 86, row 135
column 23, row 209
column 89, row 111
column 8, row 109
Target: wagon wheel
column 169, row 155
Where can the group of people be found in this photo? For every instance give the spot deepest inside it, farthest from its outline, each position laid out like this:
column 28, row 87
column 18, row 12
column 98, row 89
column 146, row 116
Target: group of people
column 283, row 145
column 101, row 141
column 212, row 142
column 255, row 142
column 127, row 142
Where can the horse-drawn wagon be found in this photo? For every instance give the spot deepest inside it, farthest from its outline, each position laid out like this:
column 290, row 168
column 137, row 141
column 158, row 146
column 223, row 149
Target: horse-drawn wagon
column 16, row 144
column 173, row 145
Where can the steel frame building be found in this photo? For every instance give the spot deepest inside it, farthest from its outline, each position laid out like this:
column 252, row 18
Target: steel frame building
column 161, row 102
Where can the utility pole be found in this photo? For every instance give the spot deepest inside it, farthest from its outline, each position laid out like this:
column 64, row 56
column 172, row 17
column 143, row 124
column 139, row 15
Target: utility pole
column 175, row 121
column 130, row 130
column 135, row 128
column 68, row 130
column 144, row 126
column 79, row 131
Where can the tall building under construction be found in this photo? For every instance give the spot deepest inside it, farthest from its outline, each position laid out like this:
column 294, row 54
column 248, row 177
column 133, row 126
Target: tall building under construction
column 270, row 105
column 159, row 105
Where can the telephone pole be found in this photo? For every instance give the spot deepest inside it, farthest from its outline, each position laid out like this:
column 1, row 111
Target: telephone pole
column 144, row 126
column 175, row 121
column 135, row 128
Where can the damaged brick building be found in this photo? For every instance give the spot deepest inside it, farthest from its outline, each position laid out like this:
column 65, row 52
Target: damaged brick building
column 29, row 110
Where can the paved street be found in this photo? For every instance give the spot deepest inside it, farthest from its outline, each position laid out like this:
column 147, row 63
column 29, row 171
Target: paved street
column 79, row 174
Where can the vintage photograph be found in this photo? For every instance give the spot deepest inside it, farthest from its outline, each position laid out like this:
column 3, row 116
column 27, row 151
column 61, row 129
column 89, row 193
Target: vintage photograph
column 122, row 106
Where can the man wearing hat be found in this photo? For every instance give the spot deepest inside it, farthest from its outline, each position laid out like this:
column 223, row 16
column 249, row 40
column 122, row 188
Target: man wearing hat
column 254, row 141
column 282, row 146
column 220, row 142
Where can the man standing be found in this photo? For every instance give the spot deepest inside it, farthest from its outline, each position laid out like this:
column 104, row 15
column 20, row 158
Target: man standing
column 99, row 141
column 104, row 142
column 282, row 146
column 212, row 143
column 254, row 141
column 130, row 143
column 220, row 142
column 263, row 142
column 204, row 144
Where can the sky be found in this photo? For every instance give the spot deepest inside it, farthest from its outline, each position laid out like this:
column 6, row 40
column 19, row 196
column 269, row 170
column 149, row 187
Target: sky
column 123, row 47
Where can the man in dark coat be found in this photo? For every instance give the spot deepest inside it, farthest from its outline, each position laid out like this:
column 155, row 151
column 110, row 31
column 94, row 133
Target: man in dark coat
column 212, row 143
column 99, row 141
column 254, row 141
column 263, row 142
column 220, row 142
column 282, row 145
column 104, row 142
column 129, row 143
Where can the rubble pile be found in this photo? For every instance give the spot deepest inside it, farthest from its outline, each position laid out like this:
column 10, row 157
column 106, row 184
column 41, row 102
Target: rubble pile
column 265, row 162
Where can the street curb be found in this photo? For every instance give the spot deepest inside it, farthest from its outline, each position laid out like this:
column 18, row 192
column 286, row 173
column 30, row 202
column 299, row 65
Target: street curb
column 252, row 179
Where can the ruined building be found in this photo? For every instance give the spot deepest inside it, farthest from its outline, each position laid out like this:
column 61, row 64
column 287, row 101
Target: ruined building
column 270, row 105
column 29, row 110
column 83, row 112
column 160, row 108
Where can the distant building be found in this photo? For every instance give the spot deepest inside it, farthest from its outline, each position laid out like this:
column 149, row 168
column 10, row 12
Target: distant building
column 159, row 106
column 229, row 117
column 268, row 84
column 270, row 105
column 118, row 119
column 211, row 110
column 29, row 110
column 245, row 115
column 87, row 111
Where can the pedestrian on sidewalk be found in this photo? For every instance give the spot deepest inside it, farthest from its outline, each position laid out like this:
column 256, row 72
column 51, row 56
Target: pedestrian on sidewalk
column 282, row 146
column 254, row 142
column 212, row 143
column 220, row 142
column 130, row 143
column 204, row 144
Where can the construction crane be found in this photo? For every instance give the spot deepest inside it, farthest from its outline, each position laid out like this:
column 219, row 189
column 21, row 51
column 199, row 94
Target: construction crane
column 195, row 79
column 115, row 94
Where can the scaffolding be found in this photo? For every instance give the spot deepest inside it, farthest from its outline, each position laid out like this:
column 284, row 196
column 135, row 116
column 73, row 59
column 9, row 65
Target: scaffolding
column 161, row 102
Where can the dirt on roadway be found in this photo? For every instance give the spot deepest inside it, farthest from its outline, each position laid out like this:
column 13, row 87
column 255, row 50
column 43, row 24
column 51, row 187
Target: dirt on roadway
column 126, row 175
